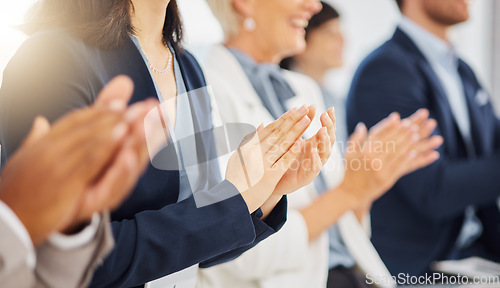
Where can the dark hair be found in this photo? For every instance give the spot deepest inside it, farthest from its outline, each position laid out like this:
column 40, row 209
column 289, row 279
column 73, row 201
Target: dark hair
column 400, row 4
column 326, row 14
column 103, row 23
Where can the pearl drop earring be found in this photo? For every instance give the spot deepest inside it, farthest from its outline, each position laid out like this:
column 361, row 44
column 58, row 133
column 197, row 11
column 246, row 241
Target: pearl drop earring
column 249, row 24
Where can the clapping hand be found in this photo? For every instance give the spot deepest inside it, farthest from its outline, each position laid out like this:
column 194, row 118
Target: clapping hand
column 315, row 153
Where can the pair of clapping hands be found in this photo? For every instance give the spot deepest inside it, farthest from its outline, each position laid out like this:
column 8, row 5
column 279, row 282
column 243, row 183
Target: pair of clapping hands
column 277, row 161
column 86, row 163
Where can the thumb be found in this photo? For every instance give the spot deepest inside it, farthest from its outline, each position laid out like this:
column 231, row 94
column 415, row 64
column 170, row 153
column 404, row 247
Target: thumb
column 116, row 94
column 39, row 129
column 359, row 135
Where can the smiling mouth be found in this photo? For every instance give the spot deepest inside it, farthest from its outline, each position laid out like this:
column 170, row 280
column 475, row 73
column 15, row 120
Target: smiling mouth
column 300, row 23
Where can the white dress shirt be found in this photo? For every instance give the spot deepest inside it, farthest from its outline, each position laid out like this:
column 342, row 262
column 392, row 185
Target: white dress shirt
column 444, row 61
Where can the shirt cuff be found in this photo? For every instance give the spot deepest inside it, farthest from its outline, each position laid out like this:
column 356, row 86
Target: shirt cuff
column 20, row 231
column 71, row 242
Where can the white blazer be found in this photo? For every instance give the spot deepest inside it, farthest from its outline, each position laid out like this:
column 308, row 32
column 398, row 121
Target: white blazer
column 286, row 259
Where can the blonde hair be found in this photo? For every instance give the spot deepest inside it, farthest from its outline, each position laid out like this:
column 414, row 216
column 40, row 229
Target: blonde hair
column 228, row 18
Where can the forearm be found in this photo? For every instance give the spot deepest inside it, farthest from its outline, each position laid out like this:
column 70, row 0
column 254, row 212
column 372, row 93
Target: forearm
column 327, row 210
column 451, row 186
column 362, row 211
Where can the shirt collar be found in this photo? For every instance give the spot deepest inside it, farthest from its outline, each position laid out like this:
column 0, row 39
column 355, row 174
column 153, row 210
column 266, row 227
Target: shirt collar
column 434, row 49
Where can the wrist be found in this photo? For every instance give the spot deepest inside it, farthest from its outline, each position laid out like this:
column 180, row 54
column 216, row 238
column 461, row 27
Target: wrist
column 349, row 196
column 269, row 205
column 254, row 198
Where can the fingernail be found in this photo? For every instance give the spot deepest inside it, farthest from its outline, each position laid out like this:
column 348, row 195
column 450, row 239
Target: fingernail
column 436, row 155
column 394, row 115
column 360, row 126
column 412, row 154
column 119, row 131
column 132, row 113
column 415, row 137
column 406, row 123
column 304, row 121
column 131, row 161
column 303, row 109
column 117, row 105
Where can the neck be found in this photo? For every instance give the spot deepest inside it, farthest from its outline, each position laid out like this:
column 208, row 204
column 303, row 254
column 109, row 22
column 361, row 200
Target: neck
column 317, row 73
column 258, row 50
column 424, row 21
column 148, row 18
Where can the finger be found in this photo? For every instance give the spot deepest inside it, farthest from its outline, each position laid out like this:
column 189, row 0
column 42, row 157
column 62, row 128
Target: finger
column 113, row 186
column 407, row 151
column 261, row 126
column 401, row 147
column 94, row 148
column 316, row 164
column 82, row 118
column 324, row 145
column 331, row 113
column 84, row 131
column 312, row 112
column 386, row 127
column 419, row 116
column 251, row 136
column 282, row 125
column 429, row 144
column 284, row 141
column 427, row 128
column 329, row 124
column 284, row 163
column 405, row 135
column 425, row 160
column 412, row 164
column 116, row 94
column 148, row 132
column 357, row 138
column 40, row 128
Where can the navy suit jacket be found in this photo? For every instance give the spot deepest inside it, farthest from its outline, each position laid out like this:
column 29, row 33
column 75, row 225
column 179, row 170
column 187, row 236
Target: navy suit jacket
column 419, row 219
column 53, row 73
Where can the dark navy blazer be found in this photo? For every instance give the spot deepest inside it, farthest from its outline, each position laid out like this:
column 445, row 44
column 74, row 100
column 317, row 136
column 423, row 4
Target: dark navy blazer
column 53, row 73
column 419, row 219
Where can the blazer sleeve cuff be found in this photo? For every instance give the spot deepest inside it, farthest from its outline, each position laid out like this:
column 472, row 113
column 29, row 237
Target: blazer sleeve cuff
column 273, row 222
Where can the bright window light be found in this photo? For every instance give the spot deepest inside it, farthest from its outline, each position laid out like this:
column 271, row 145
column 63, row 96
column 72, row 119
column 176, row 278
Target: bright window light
column 11, row 14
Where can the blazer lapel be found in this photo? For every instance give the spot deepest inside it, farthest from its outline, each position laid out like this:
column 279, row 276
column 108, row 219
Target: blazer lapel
column 446, row 120
column 199, row 101
column 480, row 128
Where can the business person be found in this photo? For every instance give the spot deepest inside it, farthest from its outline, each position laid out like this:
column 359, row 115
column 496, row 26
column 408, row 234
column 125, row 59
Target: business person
column 249, row 87
column 45, row 190
column 324, row 51
column 160, row 229
column 447, row 210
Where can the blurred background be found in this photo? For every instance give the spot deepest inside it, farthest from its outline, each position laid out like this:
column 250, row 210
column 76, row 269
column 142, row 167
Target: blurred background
column 366, row 25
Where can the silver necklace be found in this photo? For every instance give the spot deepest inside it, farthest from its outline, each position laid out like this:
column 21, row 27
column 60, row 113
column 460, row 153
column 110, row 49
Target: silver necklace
column 169, row 64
